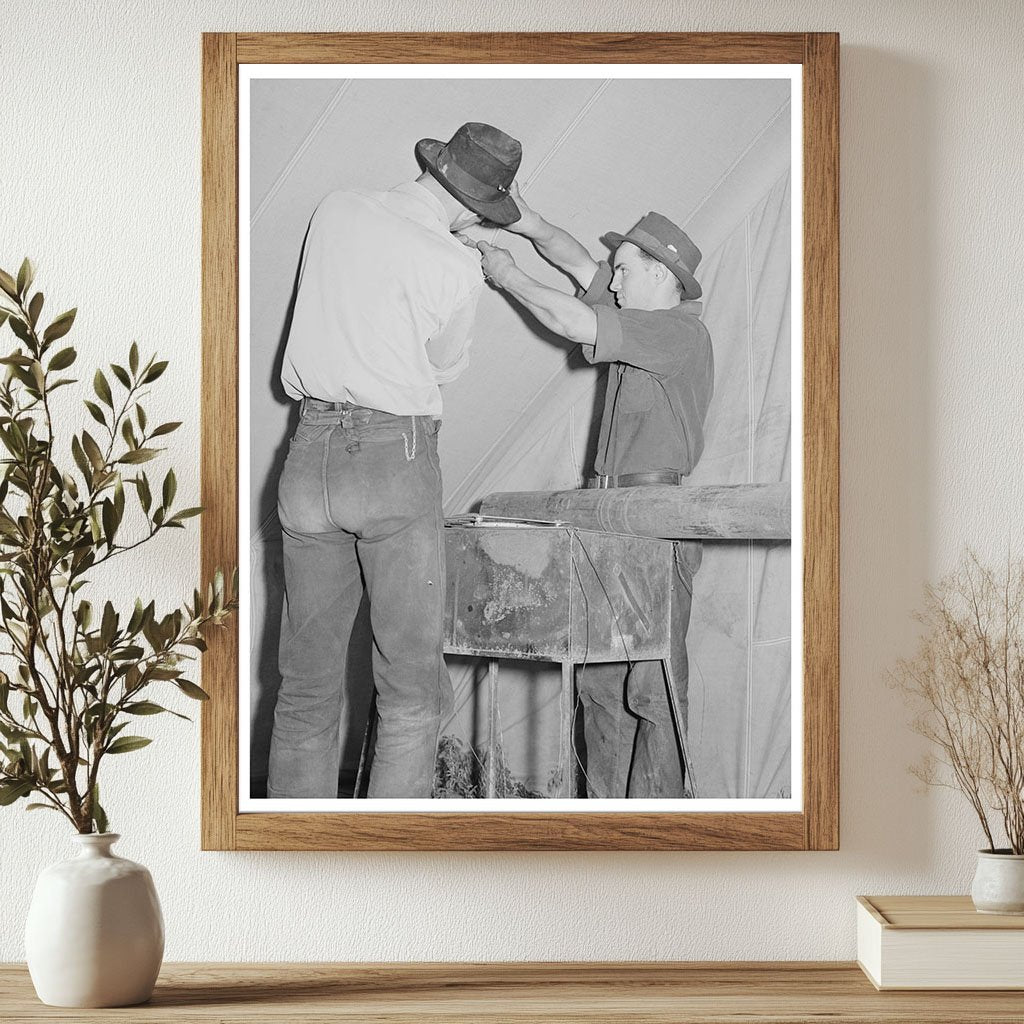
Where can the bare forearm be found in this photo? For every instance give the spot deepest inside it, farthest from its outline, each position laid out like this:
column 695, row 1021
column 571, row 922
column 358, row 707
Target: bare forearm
column 556, row 245
column 561, row 313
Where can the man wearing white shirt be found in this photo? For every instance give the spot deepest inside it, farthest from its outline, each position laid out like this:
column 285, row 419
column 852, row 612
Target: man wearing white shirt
column 385, row 303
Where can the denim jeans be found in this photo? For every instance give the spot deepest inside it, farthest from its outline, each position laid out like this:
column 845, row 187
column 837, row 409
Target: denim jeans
column 632, row 748
column 359, row 501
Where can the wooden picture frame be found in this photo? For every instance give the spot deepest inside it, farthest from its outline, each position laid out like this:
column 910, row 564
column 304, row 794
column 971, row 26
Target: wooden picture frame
column 816, row 826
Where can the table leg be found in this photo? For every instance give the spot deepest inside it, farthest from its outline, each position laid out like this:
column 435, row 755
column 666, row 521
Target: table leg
column 493, row 739
column 566, row 703
column 677, row 718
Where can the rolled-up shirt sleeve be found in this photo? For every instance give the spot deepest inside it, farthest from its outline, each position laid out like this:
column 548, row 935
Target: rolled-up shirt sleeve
column 638, row 337
column 448, row 349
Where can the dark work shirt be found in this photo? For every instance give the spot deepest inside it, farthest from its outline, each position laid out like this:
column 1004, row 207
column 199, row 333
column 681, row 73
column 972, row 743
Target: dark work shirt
column 660, row 380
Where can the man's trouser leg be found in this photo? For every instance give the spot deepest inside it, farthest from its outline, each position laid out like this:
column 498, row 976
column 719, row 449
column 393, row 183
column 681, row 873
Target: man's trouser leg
column 657, row 768
column 322, row 592
column 608, row 728
column 401, row 549
column 360, row 498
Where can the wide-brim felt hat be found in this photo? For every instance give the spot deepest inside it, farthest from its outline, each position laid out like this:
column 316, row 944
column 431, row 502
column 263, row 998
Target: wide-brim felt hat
column 667, row 243
column 477, row 166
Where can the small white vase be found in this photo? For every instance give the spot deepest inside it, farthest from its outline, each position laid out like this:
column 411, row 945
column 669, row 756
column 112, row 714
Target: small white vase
column 95, row 934
column 999, row 882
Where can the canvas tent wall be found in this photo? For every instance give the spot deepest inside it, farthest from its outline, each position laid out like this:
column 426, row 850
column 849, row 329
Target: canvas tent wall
column 713, row 154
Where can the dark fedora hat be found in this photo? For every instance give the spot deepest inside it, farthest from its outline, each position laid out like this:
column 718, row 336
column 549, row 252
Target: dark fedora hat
column 477, row 166
column 666, row 242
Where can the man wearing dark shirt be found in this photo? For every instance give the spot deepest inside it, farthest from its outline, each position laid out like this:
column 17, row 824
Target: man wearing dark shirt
column 639, row 316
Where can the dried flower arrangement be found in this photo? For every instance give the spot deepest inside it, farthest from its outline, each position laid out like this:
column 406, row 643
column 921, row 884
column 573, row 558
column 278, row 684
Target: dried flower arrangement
column 967, row 682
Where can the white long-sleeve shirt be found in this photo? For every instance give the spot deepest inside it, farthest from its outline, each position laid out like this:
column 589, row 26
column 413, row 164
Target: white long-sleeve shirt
column 385, row 305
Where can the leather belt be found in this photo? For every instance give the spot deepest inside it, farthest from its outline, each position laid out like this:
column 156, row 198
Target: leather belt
column 659, row 476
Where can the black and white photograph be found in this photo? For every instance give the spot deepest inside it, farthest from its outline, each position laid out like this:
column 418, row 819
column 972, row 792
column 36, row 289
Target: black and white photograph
column 520, row 437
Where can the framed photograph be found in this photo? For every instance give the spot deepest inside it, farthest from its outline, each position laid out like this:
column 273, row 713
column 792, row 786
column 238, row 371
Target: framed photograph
column 590, row 282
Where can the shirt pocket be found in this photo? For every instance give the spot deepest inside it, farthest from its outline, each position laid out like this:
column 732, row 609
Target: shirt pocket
column 636, row 391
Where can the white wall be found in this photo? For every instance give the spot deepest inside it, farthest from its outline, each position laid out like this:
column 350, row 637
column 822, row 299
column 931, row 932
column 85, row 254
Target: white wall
column 99, row 182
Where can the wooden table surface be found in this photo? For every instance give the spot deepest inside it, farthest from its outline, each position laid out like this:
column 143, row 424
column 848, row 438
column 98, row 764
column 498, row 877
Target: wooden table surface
column 837, row 993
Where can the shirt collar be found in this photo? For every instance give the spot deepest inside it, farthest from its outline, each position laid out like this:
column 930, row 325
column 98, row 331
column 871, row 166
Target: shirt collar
column 430, row 205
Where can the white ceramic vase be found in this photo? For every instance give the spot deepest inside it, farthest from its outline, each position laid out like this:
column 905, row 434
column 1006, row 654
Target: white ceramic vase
column 95, row 933
column 999, row 882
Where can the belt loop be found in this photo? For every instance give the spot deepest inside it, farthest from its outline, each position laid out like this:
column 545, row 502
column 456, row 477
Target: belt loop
column 409, row 456
column 302, row 406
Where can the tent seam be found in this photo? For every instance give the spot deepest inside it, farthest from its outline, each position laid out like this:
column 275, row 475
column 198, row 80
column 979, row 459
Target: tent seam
column 739, row 159
column 750, row 545
column 299, row 151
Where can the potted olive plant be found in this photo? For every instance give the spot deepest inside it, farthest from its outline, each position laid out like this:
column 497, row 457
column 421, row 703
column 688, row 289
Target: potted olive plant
column 967, row 683
column 77, row 674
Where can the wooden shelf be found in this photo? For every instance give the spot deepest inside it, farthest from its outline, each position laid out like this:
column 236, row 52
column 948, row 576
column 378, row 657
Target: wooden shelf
column 659, row 993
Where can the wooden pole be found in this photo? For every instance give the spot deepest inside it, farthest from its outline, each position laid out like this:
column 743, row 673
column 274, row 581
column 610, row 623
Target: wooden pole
column 726, row 512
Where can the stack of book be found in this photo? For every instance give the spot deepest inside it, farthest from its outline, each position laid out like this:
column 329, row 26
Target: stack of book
column 938, row 942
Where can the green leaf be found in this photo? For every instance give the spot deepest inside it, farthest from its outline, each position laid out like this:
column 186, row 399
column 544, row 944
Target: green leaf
column 191, row 690
column 108, row 627
column 15, row 790
column 92, row 449
column 80, row 458
column 140, row 415
column 128, row 433
column 71, row 486
column 154, row 371
column 143, row 707
column 95, row 412
column 133, row 358
column 102, row 388
column 170, row 674
column 10, row 442
column 26, row 273
column 119, row 499
column 12, row 733
column 18, row 632
column 170, row 488
column 34, row 308
column 99, row 816
column 121, row 374
column 63, row 359
column 8, row 284
column 130, row 653
column 145, row 497
column 139, row 455
column 60, row 326
column 109, row 521
column 42, row 807
column 138, row 614
column 20, row 328
column 125, row 744
column 97, row 710
column 165, row 428
column 185, row 513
